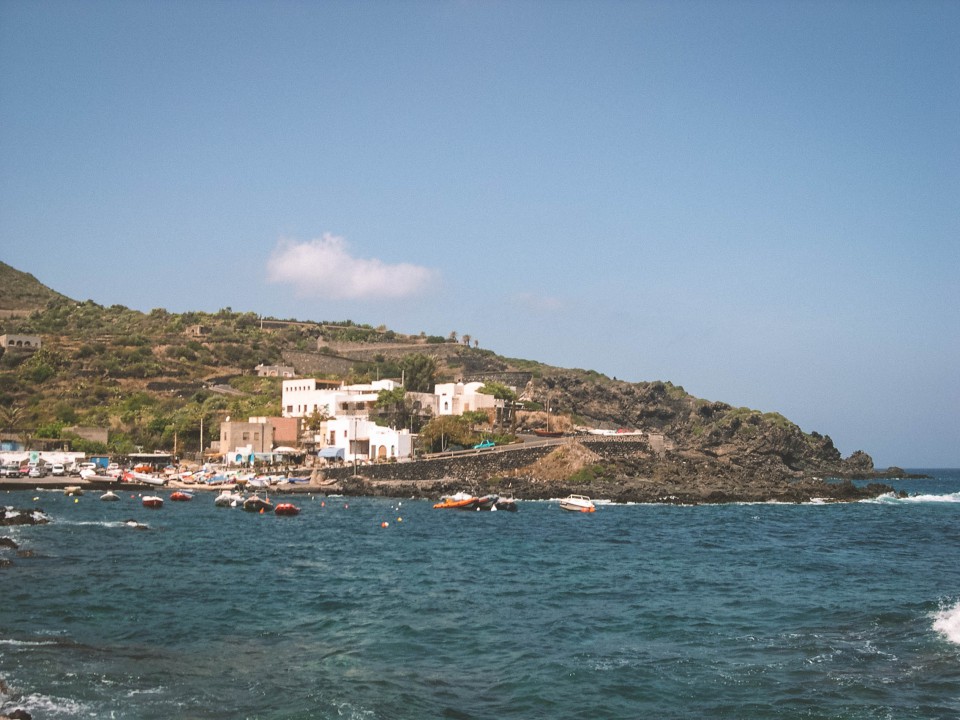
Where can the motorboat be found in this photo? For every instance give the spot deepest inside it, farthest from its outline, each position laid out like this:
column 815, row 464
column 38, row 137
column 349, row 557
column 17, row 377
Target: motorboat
column 577, row 503
column 73, row 490
column 180, row 496
column 286, row 509
column 458, row 501
column 228, row 499
column 152, row 501
column 110, row 496
column 255, row 503
column 506, row 503
column 487, row 502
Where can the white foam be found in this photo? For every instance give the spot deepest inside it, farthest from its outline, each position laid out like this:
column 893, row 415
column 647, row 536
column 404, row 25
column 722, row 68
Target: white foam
column 27, row 643
column 893, row 499
column 946, row 621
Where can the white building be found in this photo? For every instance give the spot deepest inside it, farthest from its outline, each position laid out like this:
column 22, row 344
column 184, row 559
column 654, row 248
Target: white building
column 301, row 398
column 458, row 398
column 362, row 440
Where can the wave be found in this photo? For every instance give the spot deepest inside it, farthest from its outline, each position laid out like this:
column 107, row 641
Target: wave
column 946, row 621
column 893, row 499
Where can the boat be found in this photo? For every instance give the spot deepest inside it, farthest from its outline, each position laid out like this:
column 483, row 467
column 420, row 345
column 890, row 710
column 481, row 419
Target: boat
column 73, row 490
column 135, row 476
column 487, row 502
column 506, row 503
column 180, row 496
column 228, row 499
column 109, row 496
column 255, row 503
column 458, row 501
column 152, row 501
column 577, row 503
column 286, row 509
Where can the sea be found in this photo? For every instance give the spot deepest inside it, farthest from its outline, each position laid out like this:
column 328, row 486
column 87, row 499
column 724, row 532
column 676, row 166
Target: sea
column 388, row 609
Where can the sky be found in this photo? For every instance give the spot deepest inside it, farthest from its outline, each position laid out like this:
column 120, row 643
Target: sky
column 758, row 201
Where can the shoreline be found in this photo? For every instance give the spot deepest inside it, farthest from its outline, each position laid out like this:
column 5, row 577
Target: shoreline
column 686, row 491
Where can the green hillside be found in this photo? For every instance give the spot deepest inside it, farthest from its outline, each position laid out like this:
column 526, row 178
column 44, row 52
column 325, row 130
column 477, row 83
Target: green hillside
column 155, row 378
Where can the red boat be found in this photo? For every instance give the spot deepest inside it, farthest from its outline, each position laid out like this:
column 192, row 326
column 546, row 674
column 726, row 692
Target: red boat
column 286, row 509
column 152, row 501
column 180, row 496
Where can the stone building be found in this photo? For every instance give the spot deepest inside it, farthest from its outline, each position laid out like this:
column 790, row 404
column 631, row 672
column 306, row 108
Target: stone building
column 20, row 342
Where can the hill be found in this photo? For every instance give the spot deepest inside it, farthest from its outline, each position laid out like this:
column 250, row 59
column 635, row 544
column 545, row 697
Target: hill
column 21, row 293
column 155, row 379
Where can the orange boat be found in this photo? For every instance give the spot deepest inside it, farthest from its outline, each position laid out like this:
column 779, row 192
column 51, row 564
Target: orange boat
column 459, row 501
column 286, row 509
column 180, row 496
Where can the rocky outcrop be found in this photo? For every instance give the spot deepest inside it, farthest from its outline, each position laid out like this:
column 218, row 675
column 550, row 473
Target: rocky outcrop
column 617, row 470
column 13, row 516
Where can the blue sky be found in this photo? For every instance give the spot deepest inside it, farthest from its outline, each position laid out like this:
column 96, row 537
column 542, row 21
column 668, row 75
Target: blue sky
column 757, row 201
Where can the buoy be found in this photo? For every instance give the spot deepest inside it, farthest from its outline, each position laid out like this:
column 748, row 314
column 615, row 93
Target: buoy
column 76, row 500
column 384, row 524
column 345, row 506
column 322, row 504
column 35, row 499
column 399, row 519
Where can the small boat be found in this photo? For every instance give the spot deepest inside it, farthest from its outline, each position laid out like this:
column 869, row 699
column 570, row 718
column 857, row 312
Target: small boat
column 286, row 509
column 577, row 503
column 255, row 503
column 458, row 501
column 180, row 496
column 228, row 499
column 506, row 503
column 487, row 502
column 73, row 490
column 109, row 496
column 152, row 501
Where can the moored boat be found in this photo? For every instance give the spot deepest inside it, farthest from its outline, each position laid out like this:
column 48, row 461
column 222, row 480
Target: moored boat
column 458, row 501
column 152, row 501
column 506, row 503
column 286, row 509
column 577, row 503
column 228, row 499
column 109, row 496
column 73, row 490
column 180, row 496
column 255, row 503
column 487, row 502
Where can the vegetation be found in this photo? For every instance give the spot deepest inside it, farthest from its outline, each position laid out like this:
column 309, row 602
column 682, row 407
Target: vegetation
column 157, row 380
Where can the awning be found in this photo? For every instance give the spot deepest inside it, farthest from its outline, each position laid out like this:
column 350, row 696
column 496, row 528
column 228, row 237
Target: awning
column 332, row 453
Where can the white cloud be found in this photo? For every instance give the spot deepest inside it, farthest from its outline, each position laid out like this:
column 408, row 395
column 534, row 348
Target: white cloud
column 323, row 267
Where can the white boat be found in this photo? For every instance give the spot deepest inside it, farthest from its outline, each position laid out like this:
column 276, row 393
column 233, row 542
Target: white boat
column 139, row 477
column 577, row 503
column 228, row 499
column 109, row 495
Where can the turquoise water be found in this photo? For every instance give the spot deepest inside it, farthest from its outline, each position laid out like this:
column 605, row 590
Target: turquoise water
column 736, row 611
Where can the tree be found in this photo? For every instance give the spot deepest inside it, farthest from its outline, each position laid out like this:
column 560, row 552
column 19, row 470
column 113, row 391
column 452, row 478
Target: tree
column 419, row 372
column 442, row 432
column 395, row 409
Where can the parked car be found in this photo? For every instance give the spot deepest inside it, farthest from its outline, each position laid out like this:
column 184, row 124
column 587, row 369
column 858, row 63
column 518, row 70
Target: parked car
column 484, row 444
column 36, row 472
column 58, row 470
column 11, row 470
